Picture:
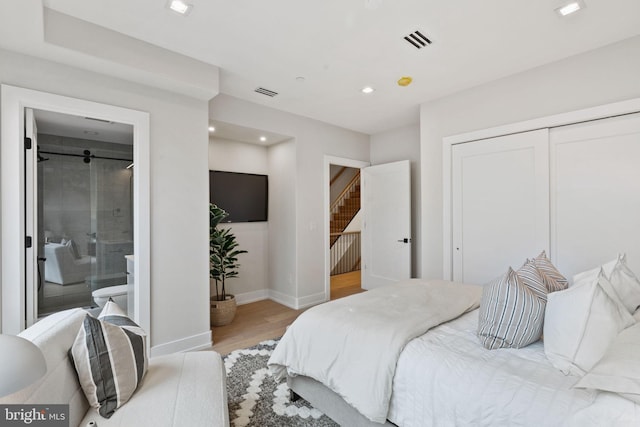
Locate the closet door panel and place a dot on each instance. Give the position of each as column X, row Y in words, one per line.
column 595, row 203
column 500, row 205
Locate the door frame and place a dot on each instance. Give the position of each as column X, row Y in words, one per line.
column 572, row 117
column 328, row 161
column 14, row 100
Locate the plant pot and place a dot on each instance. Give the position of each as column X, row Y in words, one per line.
column 223, row 312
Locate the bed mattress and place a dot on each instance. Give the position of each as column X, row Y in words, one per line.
column 446, row 378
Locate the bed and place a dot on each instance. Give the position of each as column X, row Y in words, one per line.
column 445, row 377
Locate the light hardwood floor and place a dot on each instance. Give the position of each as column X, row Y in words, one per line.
column 263, row 320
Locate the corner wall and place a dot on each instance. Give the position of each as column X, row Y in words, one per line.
column 303, row 233
column 598, row 77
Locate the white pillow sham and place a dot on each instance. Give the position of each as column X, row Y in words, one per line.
column 580, row 324
column 623, row 280
column 619, row 369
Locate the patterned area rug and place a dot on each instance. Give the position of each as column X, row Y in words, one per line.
column 255, row 399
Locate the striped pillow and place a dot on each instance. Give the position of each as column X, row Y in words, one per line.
column 511, row 314
column 110, row 357
column 552, row 277
column 531, row 277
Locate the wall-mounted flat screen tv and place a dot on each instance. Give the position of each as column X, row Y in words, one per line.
column 244, row 196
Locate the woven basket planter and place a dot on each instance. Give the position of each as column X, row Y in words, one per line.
column 223, row 312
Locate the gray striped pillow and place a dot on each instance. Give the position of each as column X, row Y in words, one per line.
column 110, row 357
column 511, row 314
column 553, row 279
column 531, row 277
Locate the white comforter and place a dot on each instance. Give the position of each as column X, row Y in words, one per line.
column 445, row 378
column 351, row 345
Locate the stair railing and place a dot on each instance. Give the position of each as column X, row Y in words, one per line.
column 348, row 189
column 345, row 254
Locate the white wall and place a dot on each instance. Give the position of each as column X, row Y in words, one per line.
column 404, row 144
column 179, row 190
column 312, row 141
column 252, row 281
column 602, row 76
column 282, row 218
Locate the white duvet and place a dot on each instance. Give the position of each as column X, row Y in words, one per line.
column 446, row 378
column 351, row 345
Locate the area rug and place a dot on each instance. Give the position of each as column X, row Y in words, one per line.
column 256, row 399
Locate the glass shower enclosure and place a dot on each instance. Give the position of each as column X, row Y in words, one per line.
column 85, row 219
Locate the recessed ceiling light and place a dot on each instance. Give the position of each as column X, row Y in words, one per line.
column 263, row 139
column 570, row 8
column 212, row 129
column 180, row 7
column 367, row 89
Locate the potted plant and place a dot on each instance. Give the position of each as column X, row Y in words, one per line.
column 223, row 264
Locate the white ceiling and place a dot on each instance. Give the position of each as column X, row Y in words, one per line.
column 339, row 46
column 233, row 132
column 71, row 126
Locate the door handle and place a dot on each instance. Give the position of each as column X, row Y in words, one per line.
column 405, row 240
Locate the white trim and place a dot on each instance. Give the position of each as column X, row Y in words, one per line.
column 310, row 300
column 13, row 102
column 247, row 297
column 572, row 117
column 328, row 161
column 283, row 299
column 194, row 342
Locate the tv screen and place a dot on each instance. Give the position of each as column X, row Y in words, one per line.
column 243, row 195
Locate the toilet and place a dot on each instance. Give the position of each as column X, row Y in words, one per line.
column 117, row 293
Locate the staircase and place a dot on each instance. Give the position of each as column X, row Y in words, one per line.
column 345, row 208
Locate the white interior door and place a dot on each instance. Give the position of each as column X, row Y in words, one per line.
column 500, row 204
column 595, row 193
column 386, row 225
column 31, row 220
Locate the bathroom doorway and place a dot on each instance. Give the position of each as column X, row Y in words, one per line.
column 18, row 164
column 84, row 205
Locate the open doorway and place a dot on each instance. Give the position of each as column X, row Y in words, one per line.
column 84, row 205
column 343, row 227
column 20, row 219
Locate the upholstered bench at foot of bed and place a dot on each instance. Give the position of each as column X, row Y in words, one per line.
column 184, row 389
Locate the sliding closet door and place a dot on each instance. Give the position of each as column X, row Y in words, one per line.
column 500, row 197
column 595, row 197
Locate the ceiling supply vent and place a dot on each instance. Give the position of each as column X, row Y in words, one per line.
column 99, row 120
column 417, row 39
column 266, row 92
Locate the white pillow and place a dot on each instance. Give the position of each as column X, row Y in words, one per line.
column 591, row 275
column 619, row 369
column 626, row 284
column 580, row 324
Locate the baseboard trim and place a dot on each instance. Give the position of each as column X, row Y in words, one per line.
column 192, row 343
column 296, row 303
column 283, row 299
column 310, row 300
column 254, row 296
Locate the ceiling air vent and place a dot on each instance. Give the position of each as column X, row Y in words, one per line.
column 266, row 92
column 417, row 39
